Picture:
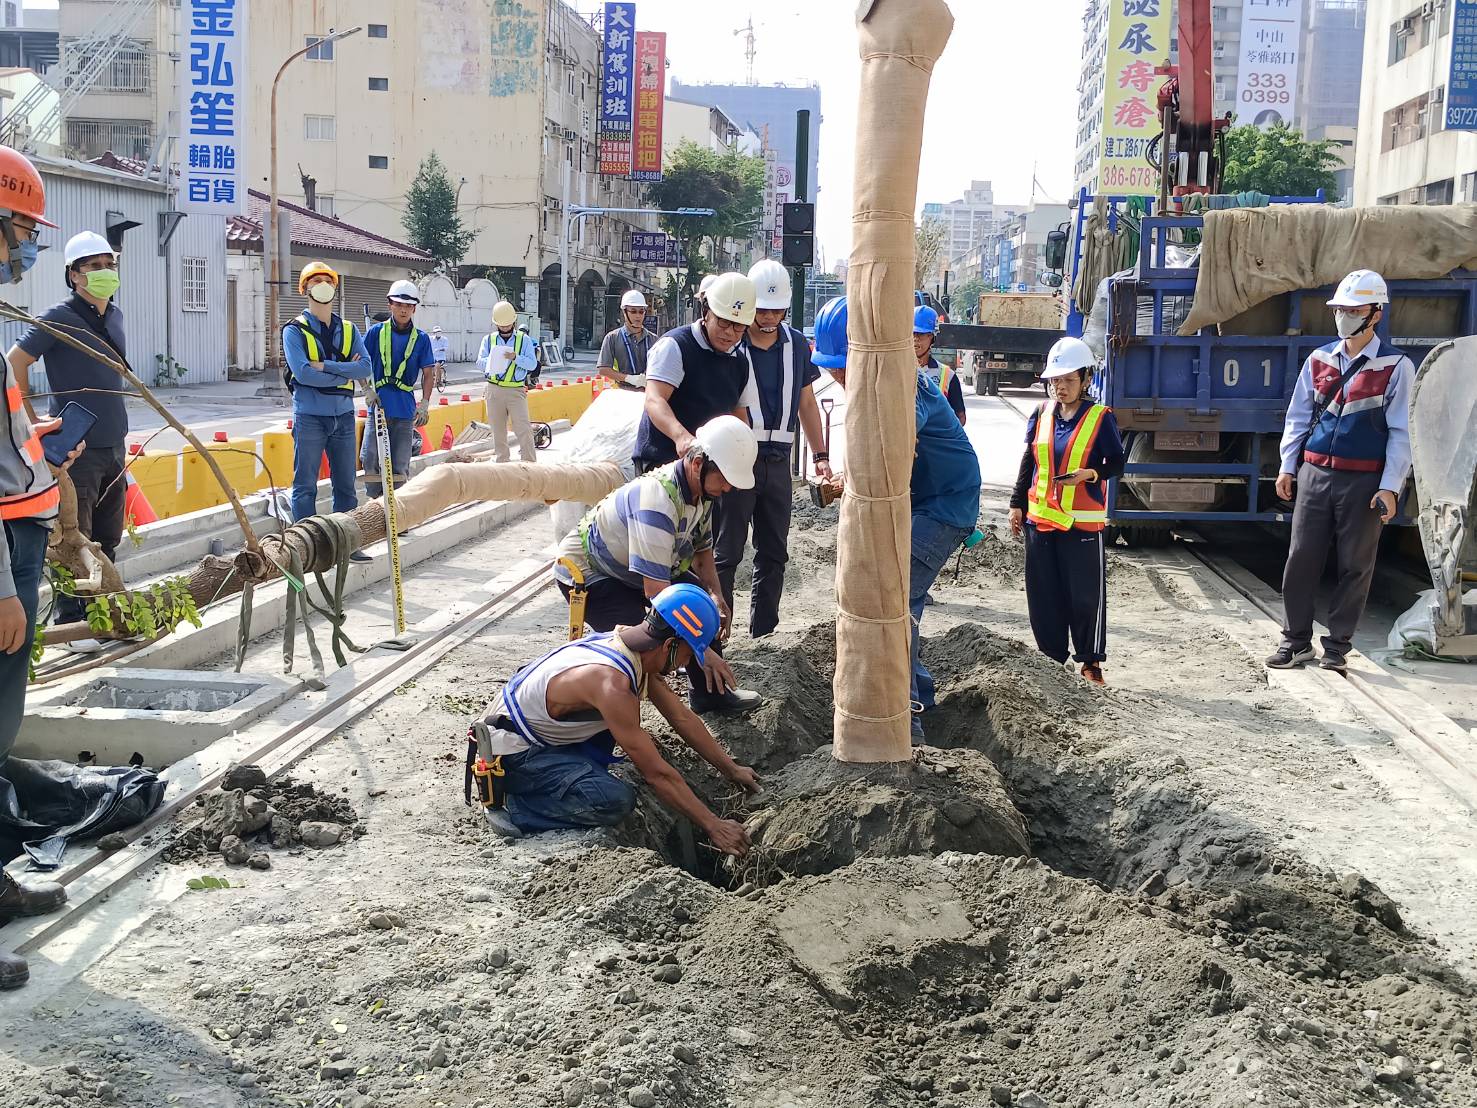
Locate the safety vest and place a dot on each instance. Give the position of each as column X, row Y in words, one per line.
column 397, row 379
column 789, row 413
column 41, row 495
column 946, row 375
column 1055, row 508
column 508, row 379
column 1350, row 429
column 304, row 323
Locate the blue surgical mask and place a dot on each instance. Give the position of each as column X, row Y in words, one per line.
column 29, row 251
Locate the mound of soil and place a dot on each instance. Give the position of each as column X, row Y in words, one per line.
column 281, row 814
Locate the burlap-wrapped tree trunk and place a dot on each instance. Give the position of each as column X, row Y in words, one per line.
column 900, row 42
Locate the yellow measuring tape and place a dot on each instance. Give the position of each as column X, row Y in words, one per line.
column 392, row 536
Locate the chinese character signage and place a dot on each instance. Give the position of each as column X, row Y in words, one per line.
column 651, row 87
column 1267, row 78
column 1138, row 43
column 1461, row 82
column 618, row 89
column 213, row 108
column 649, row 248
column 784, row 188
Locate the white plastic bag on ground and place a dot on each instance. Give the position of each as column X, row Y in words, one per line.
column 1416, row 626
column 606, row 432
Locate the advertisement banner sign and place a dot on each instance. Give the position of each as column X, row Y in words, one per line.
column 1138, row 43
column 649, row 247
column 617, row 89
column 784, row 189
column 651, row 86
column 1461, row 83
column 213, row 108
column 1267, row 78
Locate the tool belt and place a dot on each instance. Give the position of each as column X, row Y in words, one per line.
column 484, row 769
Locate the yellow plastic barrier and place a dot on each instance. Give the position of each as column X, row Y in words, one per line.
column 198, row 487
column 237, row 459
column 276, row 459
column 157, row 474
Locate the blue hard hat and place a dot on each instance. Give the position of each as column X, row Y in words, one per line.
column 691, row 613
column 830, row 334
column 925, row 320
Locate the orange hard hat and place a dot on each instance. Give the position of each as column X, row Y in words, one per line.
column 315, row 269
column 21, row 190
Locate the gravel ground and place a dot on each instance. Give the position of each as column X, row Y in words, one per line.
column 1199, row 920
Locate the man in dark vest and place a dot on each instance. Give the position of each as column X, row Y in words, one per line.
column 779, row 358
column 1347, row 439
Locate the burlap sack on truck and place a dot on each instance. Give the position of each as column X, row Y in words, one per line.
column 900, row 40
column 1253, row 254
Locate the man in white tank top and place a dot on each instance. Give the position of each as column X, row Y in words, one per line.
column 541, row 753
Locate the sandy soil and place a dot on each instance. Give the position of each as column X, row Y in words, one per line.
column 1189, row 929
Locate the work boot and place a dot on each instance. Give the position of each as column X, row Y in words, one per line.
column 734, row 702
column 13, row 970
column 501, row 824
column 33, row 900
column 1288, row 658
column 1093, row 672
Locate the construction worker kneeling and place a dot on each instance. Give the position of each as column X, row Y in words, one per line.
column 541, row 755
column 1060, row 504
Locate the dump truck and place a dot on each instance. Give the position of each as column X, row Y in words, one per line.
column 1015, row 364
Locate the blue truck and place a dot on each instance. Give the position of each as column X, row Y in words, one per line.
column 1202, row 415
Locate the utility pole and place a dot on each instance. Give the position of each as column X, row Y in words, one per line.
column 802, row 192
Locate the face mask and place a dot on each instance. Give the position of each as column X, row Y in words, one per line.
column 102, row 283
column 1348, row 324
column 323, row 292
column 10, row 274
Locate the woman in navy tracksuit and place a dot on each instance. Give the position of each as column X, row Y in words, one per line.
column 1060, row 504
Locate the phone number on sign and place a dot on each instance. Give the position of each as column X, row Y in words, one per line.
column 1129, row 176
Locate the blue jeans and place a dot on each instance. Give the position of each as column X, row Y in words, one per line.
column 933, row 544
column 27, row 540
column 553, row 788
column 402, row 432
column 312, row 437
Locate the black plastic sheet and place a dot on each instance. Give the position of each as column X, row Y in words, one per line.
column 46, row 804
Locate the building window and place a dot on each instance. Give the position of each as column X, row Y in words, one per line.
column 319, row 128
column 379, row 84
column 1469, row 186
column 1413, row 120
column 322, row 49
column 379, row 161
column 379, row 30
column 91, row 138
column 130, row 69
column 1438, row 192
column 194, row 284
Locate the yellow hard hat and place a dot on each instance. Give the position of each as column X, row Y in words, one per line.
column 315, row 269
column 731, row 296
column 504, row 314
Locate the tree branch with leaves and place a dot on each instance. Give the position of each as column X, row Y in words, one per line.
column 730, row 183
column 929, row 245
column 1278, row 161
column 431, row 220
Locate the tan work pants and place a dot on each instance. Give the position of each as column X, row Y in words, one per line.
column 508, row 408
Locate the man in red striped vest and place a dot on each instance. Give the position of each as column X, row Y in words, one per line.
column 1347, row 440
column 28, row 505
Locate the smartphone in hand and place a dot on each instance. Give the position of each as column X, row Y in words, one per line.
column 76, row 422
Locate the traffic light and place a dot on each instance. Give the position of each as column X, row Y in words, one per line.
column 798, row 224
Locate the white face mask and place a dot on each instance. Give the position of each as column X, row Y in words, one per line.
column 323, row 292
column 1347, row 323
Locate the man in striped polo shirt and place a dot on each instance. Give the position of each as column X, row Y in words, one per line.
column 657, row 531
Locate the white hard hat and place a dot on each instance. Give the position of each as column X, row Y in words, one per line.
column 706, row 284
column 729, row 444
column 436, row 330
column 405, row 292
column 504, row 314
column 1067, row 356
column 633, row 299
column 1363, row 286
column 731, row 296
column 772, row 283
column 87, row 244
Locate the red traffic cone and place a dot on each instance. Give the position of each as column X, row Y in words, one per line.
column 136, row 504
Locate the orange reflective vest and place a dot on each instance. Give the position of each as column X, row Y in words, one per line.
column 39, row 495
column 1061, row 508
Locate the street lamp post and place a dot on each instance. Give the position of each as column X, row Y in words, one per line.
column 573, row 212
column 274, row 275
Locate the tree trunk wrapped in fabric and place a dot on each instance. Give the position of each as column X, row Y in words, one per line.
column 900, row 40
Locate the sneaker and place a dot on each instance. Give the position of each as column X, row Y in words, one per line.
column 1093, row 672
column 86, row 646
column 500, row 823
column 733, row 702
column 1288, row 658
column 1334, row 661
column 360, row 556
